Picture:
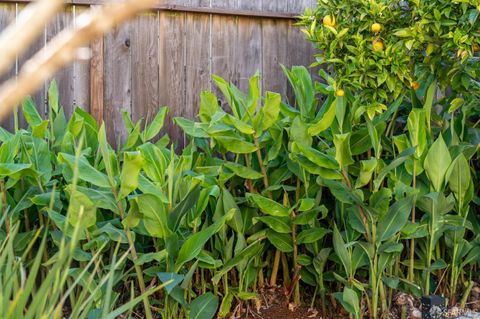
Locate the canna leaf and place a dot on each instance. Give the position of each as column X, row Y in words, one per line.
column 279, row 224
column 343, row 154
column 268, row 206
column 395, row 219
column 282, row 242
column 236, row 145
column 317, row 157
column 204, row 307
column 243, row 171
column 245, row 254
column 436, row 163
column 325, row 122
column 132, row 164
column 154, row 215
column 86, row 172
column 208, row 106
column 156, row 125
column 341, row 250
column 194, row 244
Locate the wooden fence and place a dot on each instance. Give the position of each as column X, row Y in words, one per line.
column 167, row 56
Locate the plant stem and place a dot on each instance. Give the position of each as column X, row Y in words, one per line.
column 411, row 273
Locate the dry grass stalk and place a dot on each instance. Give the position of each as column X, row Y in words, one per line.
column 65, row 48
column 30, row 23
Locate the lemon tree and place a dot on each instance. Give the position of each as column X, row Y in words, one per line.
column 379, row 49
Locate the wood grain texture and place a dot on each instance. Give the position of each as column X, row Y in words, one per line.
column 81, row 73
column 274, row 50
column 7, row 16
column 197, row 61
column 145, row 76
column 172, row 70
column 300, row 51
column 39, row 97
column 117, row 81
column 96, row 80
column 64, row 78
column 249, row 47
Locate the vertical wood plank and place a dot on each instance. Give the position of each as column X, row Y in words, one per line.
column 117, row 81
column 96, row 80
column 7, row 16
column 303, row 52
column 172, row 70
column 249, row 48
column 39, row 96
column 145, row 76
column 274, row 49
column 197, row 68
column 81, row 73
column 64, row 77
column 224, row 45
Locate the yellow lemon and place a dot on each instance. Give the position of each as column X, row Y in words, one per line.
column 415, row 85
column 377, row 46
column 340, row 93
column 430, row 49
column 376, row 27
column 462, row 53
column 329, row 20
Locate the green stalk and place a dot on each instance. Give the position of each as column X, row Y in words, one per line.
column 133, row 251
column 411, row 273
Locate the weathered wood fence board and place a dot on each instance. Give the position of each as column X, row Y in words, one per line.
column 168, row 56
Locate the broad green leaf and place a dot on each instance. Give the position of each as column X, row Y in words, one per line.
column 416, row 129
column 169, row 277
column 317, row 157
column 86, row 172
column 243, row 171
column 437, row 162
column 270, row 109
column 154, row 215
column 282, row 242
column 395, row 219
column 367, row 167
column 203, row 307
column 30, row 112
column 194, row 244
column 208, row 106
column 191, row 128
column 459, row 178
column 156, row 125
column 132, row 165
column 238, row 124
column 80, row 203
column 341, row 250
column 343, row 154
column 279, row 224
column 396, row 162
column 53, row 96
column 246, row 254
column 181, row 209
column 155, row 162
column 325, row 122
column 350, row 298
column 236, row 145
column 268, row 206
column 312, row 235
column 429, row 103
